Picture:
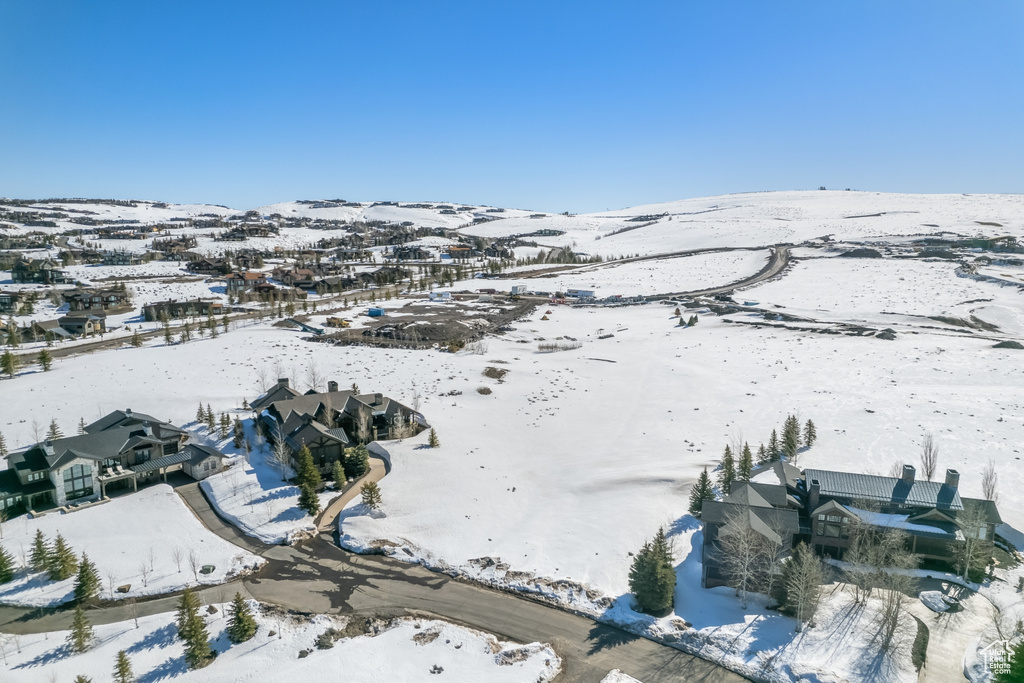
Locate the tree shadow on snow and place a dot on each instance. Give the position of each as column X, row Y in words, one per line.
column 172, row 666
column 62, row 651
column 684, row 523
column 164, row 635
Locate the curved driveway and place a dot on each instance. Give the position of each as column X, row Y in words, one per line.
column 318, row 576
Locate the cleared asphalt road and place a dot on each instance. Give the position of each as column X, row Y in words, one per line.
column 318, row 576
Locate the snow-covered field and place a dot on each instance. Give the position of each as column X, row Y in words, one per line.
column 129, row 536
column 577, row 457
column 884, row 291
column 641, row 278
column 406, row 650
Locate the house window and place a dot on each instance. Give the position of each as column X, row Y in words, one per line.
column 171, row 448
column 142, row 455
column 833, row 526
column 110, row 463
column 78, row 481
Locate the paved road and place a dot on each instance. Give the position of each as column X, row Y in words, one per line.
column 950, row 633
column 318, row 576
column 325, row 522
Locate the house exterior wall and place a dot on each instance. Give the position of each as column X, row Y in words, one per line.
column 205, row 468
column 57, row 477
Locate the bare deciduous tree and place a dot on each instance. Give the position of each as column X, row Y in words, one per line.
column 281, row 452
column 193, row 563
column 363, row 428
column 144, row 572
column 133, row 610
column 895, row 587
column 896, row 470
column 989, row 481
column 929, row 456
column 262, row 380
column 314, row 378
column 803, row 577
column 111, row 580
column 177, row 555
column 974, row 550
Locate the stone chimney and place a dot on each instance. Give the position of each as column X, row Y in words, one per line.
column 952, row 479
column 815, row 491
column 282, row 381
column 378, row 399
column 332, row 386
column 908, row 473
column 127, row 412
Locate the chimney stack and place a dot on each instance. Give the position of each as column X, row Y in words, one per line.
column 952, row 478
column 908, row 473
column 378, row 399
column 282, row 381
column 815, row 491
column 332, row 386
column 127, row 412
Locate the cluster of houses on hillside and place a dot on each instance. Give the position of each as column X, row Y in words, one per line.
column 125, row 449
column 820, row 507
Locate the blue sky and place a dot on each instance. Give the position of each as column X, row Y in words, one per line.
column 556, row 106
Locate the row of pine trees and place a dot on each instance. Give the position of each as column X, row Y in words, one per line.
column 191, row 628
column 732, row 469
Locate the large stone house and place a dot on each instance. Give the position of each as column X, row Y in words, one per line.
column 329, row 422
column 244, row 281
column 821, row 507
column 121, row 449
column 112, row 299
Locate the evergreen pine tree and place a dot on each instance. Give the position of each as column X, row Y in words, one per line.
column 728, row 473
column 746, row 464
column 45, row 360
column 136, row 339
column 9, row 364
column 225, row 425
column 168, row 338
column 87, row 583
column 307, row 472
column 810, row 434
column 700, row 492
column 81, row 426
column 338, row 473
column 210, row 423
column 192, row 629
column 6, row 566
column 81, row 634
column 762, row 455
column 371, row 495
column 773, row 447
column 123, row 669
column 433, row 441
column 241, row 623
column 82, row 678
column 188, row 606
column 54, row 432
column 357, row 462
column 12, row 334
column 238, row 432
column 3, row 446
column 61, row 562
column 652, row 578
column 39, row 558
column 309, row 501
column 201, row 414
column 791, row 437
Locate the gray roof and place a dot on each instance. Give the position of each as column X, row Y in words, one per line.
column 767, row 521
column 854, row 486
column 198, row 453
column 276, row 393
column 789, row 475
column 166, row 461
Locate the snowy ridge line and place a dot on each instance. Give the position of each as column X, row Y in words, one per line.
column 682, row 637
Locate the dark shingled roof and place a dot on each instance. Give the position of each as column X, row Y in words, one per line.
column 854, row 486
column 198, row 453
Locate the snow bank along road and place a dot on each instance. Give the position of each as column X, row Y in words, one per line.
column 319, row 577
